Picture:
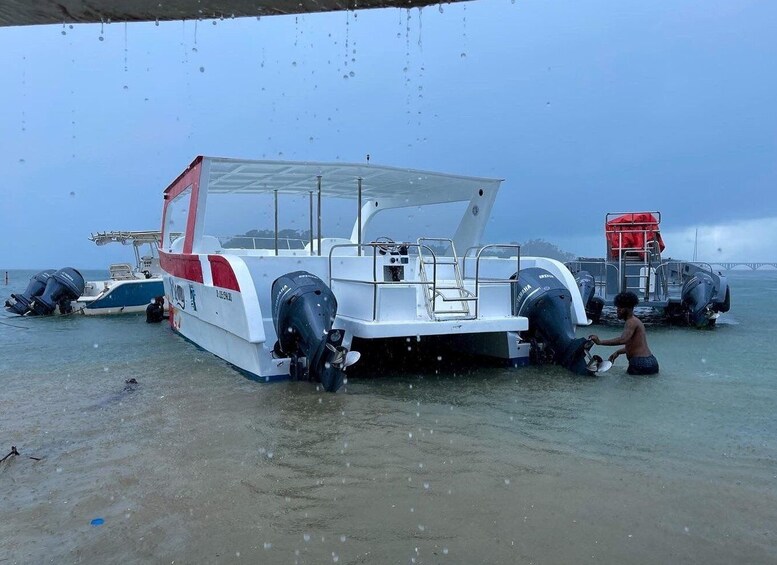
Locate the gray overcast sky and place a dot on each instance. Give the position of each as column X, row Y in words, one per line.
column 583, row 107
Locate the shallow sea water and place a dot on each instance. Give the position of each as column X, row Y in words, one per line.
column 455, row 464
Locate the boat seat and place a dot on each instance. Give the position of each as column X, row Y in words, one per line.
column 209, row 244
column 121, row 272
column 176, row 246
column 327, row 243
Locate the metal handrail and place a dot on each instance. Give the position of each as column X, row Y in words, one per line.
column 610, row 215
column 375, row 282
column 500, row 281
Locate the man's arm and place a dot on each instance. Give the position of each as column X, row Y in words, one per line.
column 614, row 356
column 625, row 337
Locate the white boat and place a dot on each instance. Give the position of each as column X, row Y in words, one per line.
column 277, row 306
column 129, row 288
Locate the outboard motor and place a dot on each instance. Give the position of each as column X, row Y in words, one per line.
column 724, row 306
column 697, row 297
column 546, row 302
column 585, row 282
column 65, row 285
column 593, row 304
column 20, row 303
column 303, row 310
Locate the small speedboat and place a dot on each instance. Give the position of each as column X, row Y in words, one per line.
column 129, row 288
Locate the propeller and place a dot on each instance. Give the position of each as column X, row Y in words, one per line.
column 342, row 358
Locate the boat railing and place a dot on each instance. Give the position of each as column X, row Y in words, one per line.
column 670, row 272
column 255, row 242
column 600, row 277
column 479, row 253
column 432, row 259
column 375, row 283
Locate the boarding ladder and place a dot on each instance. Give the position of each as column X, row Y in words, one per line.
column 446, row 297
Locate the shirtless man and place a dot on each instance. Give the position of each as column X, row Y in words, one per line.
column 633, row 338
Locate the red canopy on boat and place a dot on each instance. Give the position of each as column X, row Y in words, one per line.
column 632, row 232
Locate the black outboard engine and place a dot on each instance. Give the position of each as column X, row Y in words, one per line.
column 697, row 298
column 546, row 302
column 303, row 310
column 65, row 285
column 724, row 306
column 20, row 303
column 593, row 304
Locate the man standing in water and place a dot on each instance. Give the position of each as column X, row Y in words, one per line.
column 155, row 312
column 633, row 338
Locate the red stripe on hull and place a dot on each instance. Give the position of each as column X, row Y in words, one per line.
column 182, row 266
column 223, row 275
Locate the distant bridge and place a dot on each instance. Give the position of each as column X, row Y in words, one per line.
column 752, row 265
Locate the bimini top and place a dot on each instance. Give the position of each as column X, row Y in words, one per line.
column 338, row 180
column 126, row 237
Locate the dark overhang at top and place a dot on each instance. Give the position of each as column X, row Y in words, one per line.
column 38, row 12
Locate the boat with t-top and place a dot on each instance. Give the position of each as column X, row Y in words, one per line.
column 129, row 287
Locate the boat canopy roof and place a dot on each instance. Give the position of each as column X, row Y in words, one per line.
column 126, row 237
column 340, row 180
column 25, row 12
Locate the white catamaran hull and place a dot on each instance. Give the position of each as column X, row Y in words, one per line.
column 237, row 300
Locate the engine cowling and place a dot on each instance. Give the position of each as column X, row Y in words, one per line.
column 20, row 303
column 697, row 298
column 303, row 311
column 547, row 303
column 63, row 286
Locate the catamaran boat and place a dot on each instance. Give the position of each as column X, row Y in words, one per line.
column 129, row 288
column 296, row 307
column 684, row 292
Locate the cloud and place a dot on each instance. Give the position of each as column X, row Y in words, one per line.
column 748, row 240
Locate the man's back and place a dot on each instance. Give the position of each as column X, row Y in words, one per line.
column 637, row 345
